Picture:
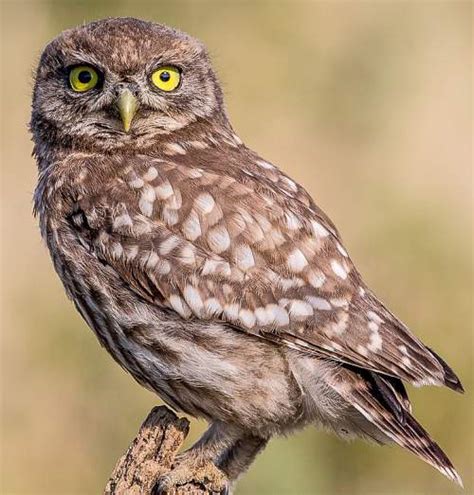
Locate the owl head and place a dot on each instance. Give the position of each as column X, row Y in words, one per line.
column 122, row 82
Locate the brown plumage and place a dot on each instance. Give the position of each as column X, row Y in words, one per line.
column 205, row 271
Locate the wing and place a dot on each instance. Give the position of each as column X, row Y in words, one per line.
column 237, row 240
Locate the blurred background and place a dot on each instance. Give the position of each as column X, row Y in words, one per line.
column 369, row 105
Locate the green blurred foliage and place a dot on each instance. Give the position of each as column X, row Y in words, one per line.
column 369, row 105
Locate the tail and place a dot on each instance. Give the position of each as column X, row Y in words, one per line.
column 417, row 440
column 385, row 404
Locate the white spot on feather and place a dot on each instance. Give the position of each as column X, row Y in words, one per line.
column 187, row 255
column 243, row 257
column 290, row 283
column 152, row 261
column 191, row 226
column 300, row 309
column 148, row 194
column 179, row 306
column 374, row 317
column 375, row 342
column 363, row 351
column 117, row 249
column 175, row 201
column 163, row 267
column 164, row 190
column 174, row 149
column 316, row 278
column 147, row 198
column 205, row 203
column 263, row 317
column 264, row 164
column 292, row 221
column 277, row 315
column 168, row 244
column 237, row 139
column 193, row 173
column 296, row 261
column 373, row 327
column 232, row 311
column 199, row 145
column 131, row 252
column 290, row 183
column 137, row 183
column 123, row 220
column 341, row 249
column 319, row 303
column 193, row 298
column 218, row 239
column 212, row 306
column 150, row 174
column 340, row 302
column 247, row 317
column 170, row 216
column 340, row 326
column 318, row 229
column 338, row 269
column 216, row 266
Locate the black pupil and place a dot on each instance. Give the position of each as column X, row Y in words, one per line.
column 84, row 76
column 165, row 76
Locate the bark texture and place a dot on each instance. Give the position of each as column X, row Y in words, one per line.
column 151, row 455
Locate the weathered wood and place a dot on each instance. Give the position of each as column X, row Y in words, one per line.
column 151, row 455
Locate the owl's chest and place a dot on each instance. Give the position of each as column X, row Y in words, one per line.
column 119, row 318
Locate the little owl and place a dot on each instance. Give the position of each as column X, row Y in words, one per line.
column 205, row 271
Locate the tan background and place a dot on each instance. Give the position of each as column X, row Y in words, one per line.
column 369, row 105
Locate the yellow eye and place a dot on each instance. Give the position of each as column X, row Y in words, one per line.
column 83, row 78
column 166, row 78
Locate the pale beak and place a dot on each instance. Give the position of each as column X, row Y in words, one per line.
column 127, row 105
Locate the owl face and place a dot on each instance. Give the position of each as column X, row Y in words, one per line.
column 110, row 84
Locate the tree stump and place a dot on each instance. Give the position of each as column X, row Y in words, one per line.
column 151, row 455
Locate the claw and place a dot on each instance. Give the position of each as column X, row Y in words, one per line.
column 193, row 471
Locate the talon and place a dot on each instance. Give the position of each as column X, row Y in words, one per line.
column 193, row 471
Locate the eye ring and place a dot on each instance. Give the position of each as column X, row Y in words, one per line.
column 83, row 78
column 166, row 78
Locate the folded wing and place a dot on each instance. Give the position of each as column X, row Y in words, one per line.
column 249, row 247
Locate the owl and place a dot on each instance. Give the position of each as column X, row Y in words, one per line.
column 205, row 271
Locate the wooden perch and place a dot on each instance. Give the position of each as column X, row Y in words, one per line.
column 151, row 455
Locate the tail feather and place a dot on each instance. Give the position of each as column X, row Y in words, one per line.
column 421, row 444
column 393, row 393
column 371, row 397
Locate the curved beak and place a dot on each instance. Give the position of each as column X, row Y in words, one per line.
column 127, row 105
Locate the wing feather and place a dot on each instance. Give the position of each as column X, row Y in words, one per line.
column 247, row 245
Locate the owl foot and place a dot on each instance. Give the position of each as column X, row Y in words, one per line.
column 191, row 474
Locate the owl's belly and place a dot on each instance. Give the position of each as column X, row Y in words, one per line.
column 203, row 368
column 206, row 370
